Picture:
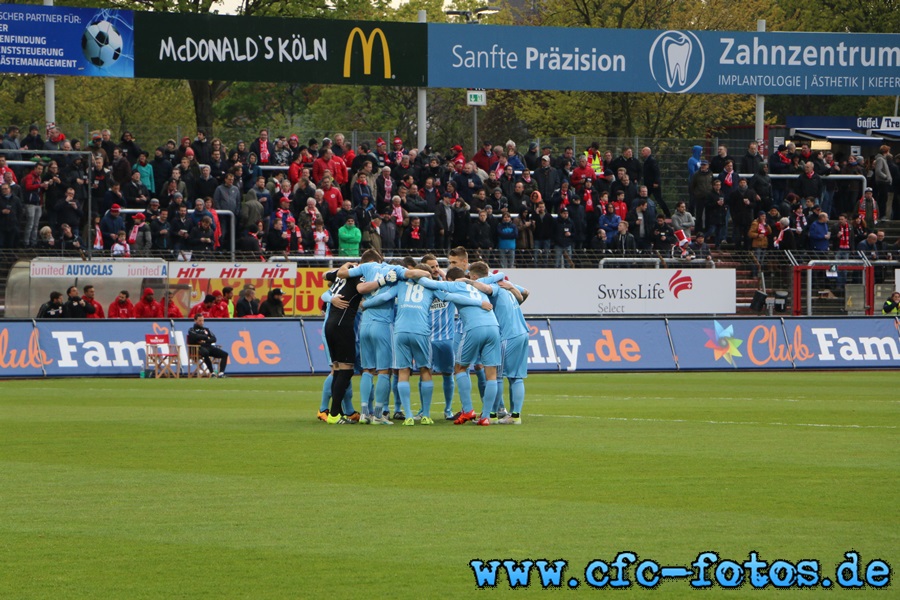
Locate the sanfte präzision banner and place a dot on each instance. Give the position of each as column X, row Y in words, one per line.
column 117, row 43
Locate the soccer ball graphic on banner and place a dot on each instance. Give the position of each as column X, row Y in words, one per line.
column 101, row 43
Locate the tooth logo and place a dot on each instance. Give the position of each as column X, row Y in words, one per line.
column 677, row 61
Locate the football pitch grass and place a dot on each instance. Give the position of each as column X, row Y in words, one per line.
column 115, row 488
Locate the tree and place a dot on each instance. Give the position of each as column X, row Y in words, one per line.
column 658, row 115
column 875, row 16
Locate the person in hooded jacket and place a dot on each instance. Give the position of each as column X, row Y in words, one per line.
column 694, row 161
column 272, row 307
column 147, row 307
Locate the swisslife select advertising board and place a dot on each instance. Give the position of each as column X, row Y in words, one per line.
column 644, row 60
column 619, row 292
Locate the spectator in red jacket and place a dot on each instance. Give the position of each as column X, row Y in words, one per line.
column 327, row 162
column 147, row 307
column 219, row 308
column 88, row 297
column 484, row 158
column 204, row 308
column 172, row 312
column 332, row 196
column 582, row 173
column 121, row 307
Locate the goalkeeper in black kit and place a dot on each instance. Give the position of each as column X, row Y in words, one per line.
column 341, row 338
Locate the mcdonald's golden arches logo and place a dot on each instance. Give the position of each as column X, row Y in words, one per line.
column 367, row 46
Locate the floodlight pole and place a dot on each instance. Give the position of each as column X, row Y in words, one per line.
column 49, row 91
column 422, row 127
column 760, row 99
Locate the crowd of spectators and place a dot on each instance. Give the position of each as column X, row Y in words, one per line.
column 327, row 197
column 809, row 210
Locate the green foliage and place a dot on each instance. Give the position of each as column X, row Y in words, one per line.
column 255, row 105
column 877, row 16
column 873, row 16
column 147, row 105
column 153, row 109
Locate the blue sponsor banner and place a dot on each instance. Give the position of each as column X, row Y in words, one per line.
column 599, row 345
column 20, row 352
column 731, row 344
column 643, row 60
column 93, row 348
column 258, row 346
column 60, row 40
column 542, row 351
column 845, row 343
column 286, row 347
column 116, row 348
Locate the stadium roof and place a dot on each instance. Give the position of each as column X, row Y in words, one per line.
column 841, row 136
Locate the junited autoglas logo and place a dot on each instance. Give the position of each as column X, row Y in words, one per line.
column 677, row 61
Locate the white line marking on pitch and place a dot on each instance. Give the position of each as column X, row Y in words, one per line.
column 824, row 425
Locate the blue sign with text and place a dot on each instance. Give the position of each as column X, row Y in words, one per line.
column 609, row 344
column 842, row 344
column 21, row 354
column 59, row 40
column 731, row 344
column 642, row 60
column 117, row 348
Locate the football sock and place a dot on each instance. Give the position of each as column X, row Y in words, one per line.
column 365, row 391
column 517, row 389
column 420, row 395
column 464, row 385
column 490, row 395
column 449, row 388
column 347, row 402
column 403, row 388
column 479, row 375
column 382, row 394
column 339, row 385
column 499, row 402
column 326, row 393
column 427, row 389
column 397, row 400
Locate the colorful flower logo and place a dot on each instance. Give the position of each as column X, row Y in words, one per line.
column 723, row 343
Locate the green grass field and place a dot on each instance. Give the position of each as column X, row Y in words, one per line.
column 232, row 488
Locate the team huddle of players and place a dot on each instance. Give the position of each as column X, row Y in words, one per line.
column 417, row 317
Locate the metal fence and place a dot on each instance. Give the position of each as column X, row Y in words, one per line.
column 149, row 138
